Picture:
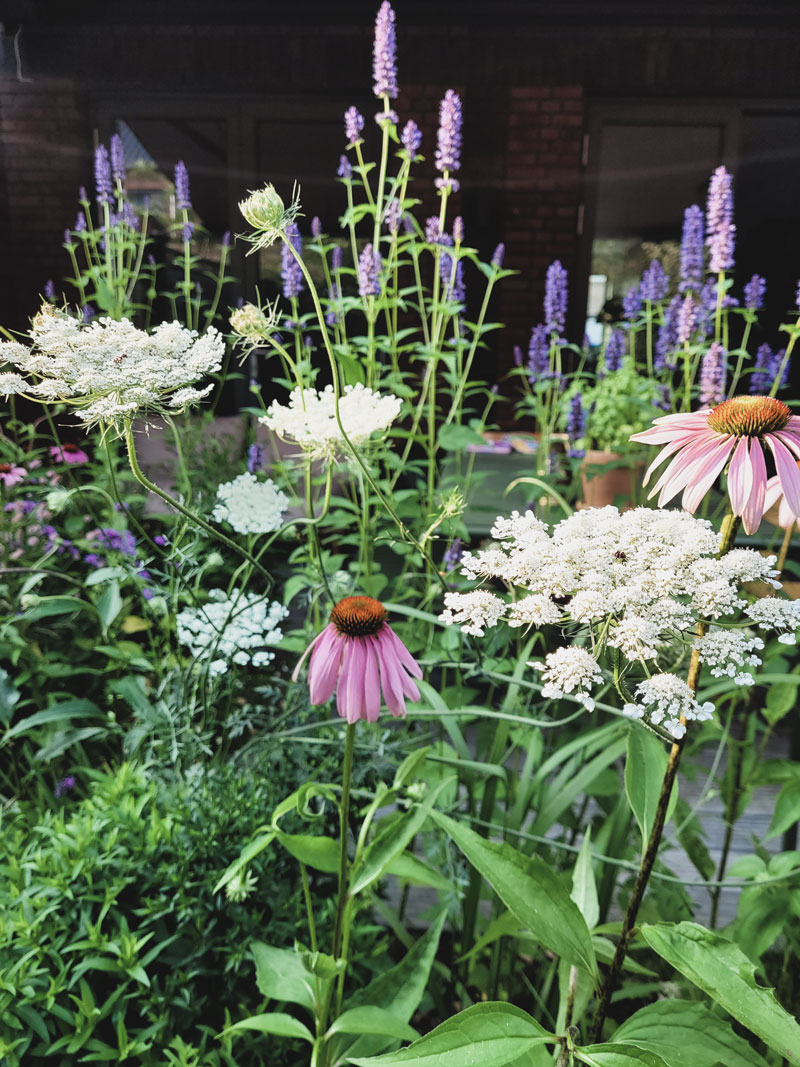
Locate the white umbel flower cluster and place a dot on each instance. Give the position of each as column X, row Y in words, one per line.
column 570, row 671
column 666, row 699
column 236, row 629
column 635, row 583
column 769, row 613
column 109, row 370
column 727, row 653
column 310, row 418
column 250, row 505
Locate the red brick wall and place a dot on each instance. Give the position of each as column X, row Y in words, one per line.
column 543, row 184
column 45, row 148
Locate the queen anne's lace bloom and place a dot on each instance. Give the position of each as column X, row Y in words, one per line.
column 474, row 612
column 108, row 369
column 570, row 671
column 666, row 699
column 729, row 652
column 769, row 613
column 250, row 505
column 235, row 629
column 310, row 418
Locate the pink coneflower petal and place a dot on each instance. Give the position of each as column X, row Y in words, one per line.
column 740, row 476
column 707, row 472
column 787, row 472
column 392, row 686
column 324, row 669
column 791, row 440
column 753, row 511
column 401, row 652
column 665, row 453
column 350, row 688
column 371, row 682
column 689, row 464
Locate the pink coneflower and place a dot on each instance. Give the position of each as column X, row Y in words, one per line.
column 10, row 475
column 347, row 657
column 69, row 453
column 776, row 495
column 702, row 443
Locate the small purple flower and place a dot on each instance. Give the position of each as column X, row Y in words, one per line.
column 555, row 298
column 66, row 785
column 517, row 356
column 384, row 55
column 369, row 269
column 765, row 371
column 448, row 142
column 94, row 560
column 336, row 258
column 255, row 457
column 183, row 201
column 87, row 313
column 654, row 283
column 538, row 355
column 316, row 227
column 80, row 223
column 713, row 374
column 576, row 425
column 411, row 138
column 392, row 214
column 390, row 117
column 102, row 175
column 663, row 398
column 160, row 540
column 353, row 125
column 615, row 350
column 433, row 234
column 456, row 291
column 117, row 159
column 345, row 169
column 82, row 195
column 50, row 291
column 632, row 303
column 692, row 250
column 291, row 273
column 687, row 320
column 458, row 229
column 129, row 216
column 453, row 554
column 667, row 338
column 187, row 232
column 226, row 239
column 754, row 292
column 498, row 256
column 719, row 218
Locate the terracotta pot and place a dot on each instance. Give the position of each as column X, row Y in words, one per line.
column 618, row 485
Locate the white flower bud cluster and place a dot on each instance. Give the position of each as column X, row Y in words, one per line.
column 234, row 629
column 310, row 418
column 666, row 698
column 570, row 671
column 769, row 613
column 111, row 369
column 728, row 652
column 250, row 505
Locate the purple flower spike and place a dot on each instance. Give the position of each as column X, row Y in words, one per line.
column 226, row 239
column 291, row 273
column 713, row 373
column 538, row 355
column 754, row 292
column 687, row 320
column 117, row 159
column 458, row 229
column 411, row 138
column 767, row 366
column 692, row 250
column 345, row 169
column 369, row 269
column 183, row 200
column 498, row 256
column 448, row 143
column 50, row 291
column 453, row 554
column 392, row 215
column 102, row 175
column 385, row 117
column 316, row 227
column 456, row 290
column 353, row 125
column 188, row 232
column 517, row 356
column 615, row 350
column 87, row 313
column 433, row 234
column 384, row 62
column 80, row 223
column 667, row 338
column 632, row 303
column 719, row 217
column 654, row 283
column 555, row 298
column 66, row 785
column 576, row 425
column 336, row 258
column 255, row 458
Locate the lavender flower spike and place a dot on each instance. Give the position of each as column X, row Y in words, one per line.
column 555, row 298
column 713, row 373
column 102, row 175
column 692, row 250
column 754, row 293
column 183, row 201
column 576, row 425
column 453, row 554
column 384, row 55
column 369, row 268
column 353, row 125
column 632, row 303
column 517, row 356
column 719, row 217
column 654, row 283
column 458, row 229
column 448, row 143
column 291, row 273
column 538, row 355
column 345, row 169
column 687, row 320
column 411, row 138
column 498, row 255
column 615, row 350
column 117, row 159
column 316, row 227
column 255, row 457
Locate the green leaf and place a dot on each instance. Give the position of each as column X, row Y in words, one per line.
column 618, row 1056
column 489, row 1034
column 103, row 574
column 787, row 809
column 64, row 739
column 781, row 698
column 63, row 712
column 9, row 695
column 584, row 889
column 453, row 438
column 389, row 842
column 280, row 975
column 276, row 1022
column 249, row 852
column 528, row 888
column 321, row 853
column 48, row 606
column 687, row 1034
column 371, row 1020
column 722, row 970
column 408, row 868
column 644, row 774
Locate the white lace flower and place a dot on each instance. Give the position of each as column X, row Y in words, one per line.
column 667, row 699
column 12, row 384
column 234, row 629
column 636, row 637
column 250, row 505
column 770, row 613
column 474, row 612
column 534, row 610
column 570, row 671
column 747, row 565
column 729, row 652
column 310, row 418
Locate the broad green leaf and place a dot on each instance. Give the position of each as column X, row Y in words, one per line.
column 103, row 574
column 558, row 797
column 408, row 769
column 454, row 438
column 584, row 889
column 722, row 970
column 371, row 1020
column 528, row 888
column 388, row 843
column 277, row 1022
column 249, row 852
column 66, row 711
column 488, row 1034
column 687, row 1034
column 787, row 809
column 618, row 1056
column 408, row 868
column 49, row 606
column 280, row 975
column 321, row 853
column 644, row 775
column 781, row 698
column 64, row 739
